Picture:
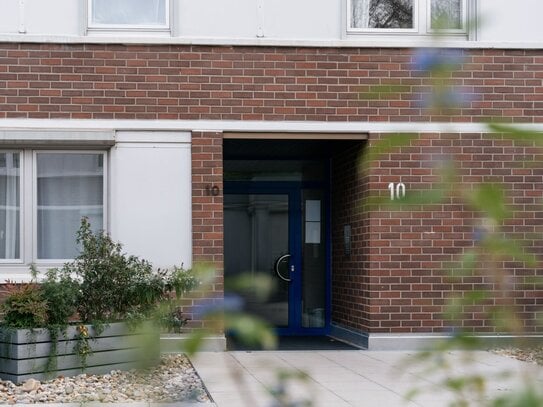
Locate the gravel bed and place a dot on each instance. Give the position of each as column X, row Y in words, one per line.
column 173, row 380
column 531, row 355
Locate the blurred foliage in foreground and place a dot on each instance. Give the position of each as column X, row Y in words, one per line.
column 226, row 315
column 484, row 258
column 493, row 248
column 487, row 258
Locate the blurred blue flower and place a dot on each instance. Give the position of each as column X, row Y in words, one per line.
column 479, row 234
column 444, row 98
column 449, row 98
column 432, row 59
column 230, row 303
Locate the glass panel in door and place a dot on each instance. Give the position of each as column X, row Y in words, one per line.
column 256, row 235
column 313, row 259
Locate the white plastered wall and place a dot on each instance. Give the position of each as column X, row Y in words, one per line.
column 510, row 21
column 9, row 16
column 54, row 17
column 215, row 18
column 500, row 23
column 150, row 196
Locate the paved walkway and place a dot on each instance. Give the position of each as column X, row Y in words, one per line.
column 352, row 377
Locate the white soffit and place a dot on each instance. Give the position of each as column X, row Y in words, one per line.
column 296, row 136
column 152, row 137
column 55, row 137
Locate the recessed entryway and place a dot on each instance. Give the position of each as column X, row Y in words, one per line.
column 277, row 223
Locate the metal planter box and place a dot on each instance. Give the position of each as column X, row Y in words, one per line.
column 26, row 353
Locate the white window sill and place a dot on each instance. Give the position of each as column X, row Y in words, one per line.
column 128, row 32
column 351, row 41
column 401, row 37
column 21, row 273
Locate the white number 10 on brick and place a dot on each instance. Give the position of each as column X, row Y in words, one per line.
column 397, row 191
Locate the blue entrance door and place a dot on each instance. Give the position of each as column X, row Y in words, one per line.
column 279, row 230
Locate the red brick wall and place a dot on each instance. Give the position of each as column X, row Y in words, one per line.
column 256, row 83
column 207, row 216
column 350, row 272
column 398, row 274
column 393, row 281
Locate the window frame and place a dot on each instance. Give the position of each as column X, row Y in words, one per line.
column 28, row 209
column 354, row 30
column 462, row 30
column 35, row 152
column 21, row 259
column 422, row 22
column 91, row 26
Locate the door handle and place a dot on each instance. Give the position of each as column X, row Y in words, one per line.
column 276, row 267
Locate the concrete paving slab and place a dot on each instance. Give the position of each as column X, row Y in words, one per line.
column 350, row 377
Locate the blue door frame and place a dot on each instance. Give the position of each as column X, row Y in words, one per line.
column 294, row 191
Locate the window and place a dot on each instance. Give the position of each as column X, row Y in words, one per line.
column 399, row 16
column 43, row 196
column 383, row 14
column 10, row 206
column 448, row 15
column 68, row 187
column 129, row 14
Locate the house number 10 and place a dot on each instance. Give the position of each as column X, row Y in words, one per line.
column 397, row 191
column 212, row 190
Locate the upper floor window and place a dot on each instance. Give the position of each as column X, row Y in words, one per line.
column 382, row 14
column 129, row 14
column 447, row 15
column 416, row 16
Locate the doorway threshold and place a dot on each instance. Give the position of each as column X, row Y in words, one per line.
column 296, row 343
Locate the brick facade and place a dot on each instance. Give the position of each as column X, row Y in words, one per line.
column 257, row 83
column 397, row 277
column 207, row 215
column 394, row 280
column 350, row 276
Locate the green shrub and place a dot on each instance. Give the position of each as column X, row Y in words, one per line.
column 110, row 283
column 180, row 281
column 171, row 318
column 61, row 293
column 25, row 307
column 114, row 286
column 101, row 285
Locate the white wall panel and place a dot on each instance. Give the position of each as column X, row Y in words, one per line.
column 55, row 17
column 216, row 18
column 151, row 204
column 308, row 19
column 506, row 20
column 230, row 21
column 9, row 16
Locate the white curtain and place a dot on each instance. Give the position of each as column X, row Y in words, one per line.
column 69, row 187
column 360, row 13
column 447, row 14
column 9, row 204
column 129, row 12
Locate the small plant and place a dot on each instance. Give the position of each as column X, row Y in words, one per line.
column 82, row 346
column 170, row 315
column 172, row 318
column 60, row 292
column 25, row 307
column 180, row 281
